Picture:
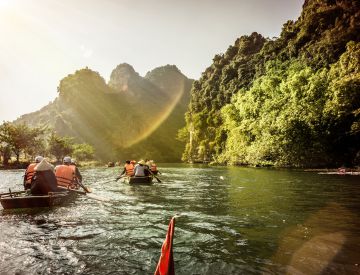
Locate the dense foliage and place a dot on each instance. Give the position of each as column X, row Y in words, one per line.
column 59, row 146
column 290, row 101
column 20, row 140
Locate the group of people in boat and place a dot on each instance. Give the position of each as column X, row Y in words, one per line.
column 41, row 177
column 142, row 168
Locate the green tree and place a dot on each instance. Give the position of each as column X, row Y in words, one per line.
column 5, row 153
column 59, row 147
column 19, row 137
column 83, row 151
column 292, row 100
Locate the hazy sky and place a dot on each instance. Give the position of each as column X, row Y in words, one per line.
column 42, row 41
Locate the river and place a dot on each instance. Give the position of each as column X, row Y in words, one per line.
column 231, row 220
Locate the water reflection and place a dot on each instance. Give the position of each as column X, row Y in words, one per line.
column 232, row 221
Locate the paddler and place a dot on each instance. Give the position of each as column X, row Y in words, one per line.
column 67, row 175
column 44, row 180
column 29, row 172
column 128, row 169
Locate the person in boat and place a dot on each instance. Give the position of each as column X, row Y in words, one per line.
column 342, row 170
column 76, row 169
column 128, row 169
column 141, row 169
column 148, row 167
column 153, row 168
column 30, row 171
column 44, row 180
column 67, row 175
column 148, row 163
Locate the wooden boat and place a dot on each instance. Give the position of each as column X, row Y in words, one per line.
column 340, row 173
column 148, row 180
column 22, row 199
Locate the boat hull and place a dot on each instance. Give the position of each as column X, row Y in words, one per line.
column 22, row 200
column 138, row 180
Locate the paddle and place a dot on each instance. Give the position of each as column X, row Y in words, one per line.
column 91, row 196
column 87, row 190
column 102, row 182
column 151, row 173
column 120, row 177
column 12, row 193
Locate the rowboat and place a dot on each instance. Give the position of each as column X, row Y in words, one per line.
column 340, row 173
column 22, row 199
column 147, row 180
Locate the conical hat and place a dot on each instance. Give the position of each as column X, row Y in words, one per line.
column 44, row 166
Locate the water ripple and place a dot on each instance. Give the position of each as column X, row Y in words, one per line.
column 231, row 221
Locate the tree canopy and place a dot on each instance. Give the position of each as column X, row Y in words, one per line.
column 289, row 101
column 22, row 140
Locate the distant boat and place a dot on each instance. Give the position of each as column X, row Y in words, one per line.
column 22, row 199
column 340, row 173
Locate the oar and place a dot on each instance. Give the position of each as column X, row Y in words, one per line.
column 87, row 190
column 151, row 173
column 12, row 193
column 91, row 196
column 120, row 177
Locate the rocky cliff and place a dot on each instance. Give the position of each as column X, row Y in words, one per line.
column 129, row 117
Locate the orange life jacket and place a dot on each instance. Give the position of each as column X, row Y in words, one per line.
column 65, row 175
column 129, row 169
column 153, row 167
column 29, row 173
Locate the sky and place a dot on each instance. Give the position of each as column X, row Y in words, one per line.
column 43, row 41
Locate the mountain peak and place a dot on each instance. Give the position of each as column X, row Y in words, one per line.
column 163, row 70
column 120, row 76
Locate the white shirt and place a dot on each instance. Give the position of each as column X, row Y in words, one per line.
column 139, row 170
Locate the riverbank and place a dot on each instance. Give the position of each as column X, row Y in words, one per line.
column 96, row 164
column 24, row 165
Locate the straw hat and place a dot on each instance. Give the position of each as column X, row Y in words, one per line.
column 44, row 166
column 142, row 162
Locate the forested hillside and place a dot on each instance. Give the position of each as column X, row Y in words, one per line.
column 129, row 117
column 289, row 101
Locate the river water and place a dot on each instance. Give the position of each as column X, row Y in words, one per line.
column 232, row 220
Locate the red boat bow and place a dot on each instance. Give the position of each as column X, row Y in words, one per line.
column 165, row 265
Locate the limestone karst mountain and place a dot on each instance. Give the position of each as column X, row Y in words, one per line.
column 129, row 117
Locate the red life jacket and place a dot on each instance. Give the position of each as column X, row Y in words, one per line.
column 65, row 175
column 29, row 173
column 129, row 169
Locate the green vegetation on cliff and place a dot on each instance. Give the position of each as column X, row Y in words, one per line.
column 290, row 101
column 129, row 117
